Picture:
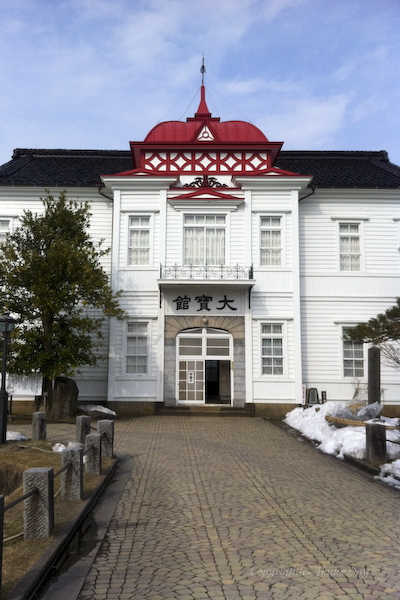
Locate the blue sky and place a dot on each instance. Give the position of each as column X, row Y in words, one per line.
column 96, row 74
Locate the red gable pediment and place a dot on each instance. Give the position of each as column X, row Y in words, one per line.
column 205, row 194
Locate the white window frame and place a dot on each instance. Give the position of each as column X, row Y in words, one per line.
column 205, row 214
column 274, row 335
column 282, row 229
column 150, row 229
column 142, row 334
column 5, row 231
column 359, row 235
column 204, row 334
column 353, row 359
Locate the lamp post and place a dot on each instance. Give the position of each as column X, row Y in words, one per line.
column 6, row 326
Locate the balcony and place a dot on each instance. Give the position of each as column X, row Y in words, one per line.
column 204, row 272
column 194, row 275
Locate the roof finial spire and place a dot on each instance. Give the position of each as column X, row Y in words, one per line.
column 202, row 111
column 202, row 71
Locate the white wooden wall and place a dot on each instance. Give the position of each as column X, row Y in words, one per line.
column 332, row 299
column 329, row 299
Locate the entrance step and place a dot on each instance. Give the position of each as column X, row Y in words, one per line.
column 204, row 411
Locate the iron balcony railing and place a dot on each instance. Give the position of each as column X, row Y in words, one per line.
column 206, row 272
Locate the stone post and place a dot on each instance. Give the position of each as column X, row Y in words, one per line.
column 375, row 443
column 93, row 453
column 105, row 427
column 374, row 375
column 82, row 428
column 72, row 478
column 39, row 508
column 39, row 426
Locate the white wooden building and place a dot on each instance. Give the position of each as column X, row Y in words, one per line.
column 240, row 264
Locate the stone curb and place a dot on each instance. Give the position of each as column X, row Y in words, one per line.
column 36, row 577
column 364, row 465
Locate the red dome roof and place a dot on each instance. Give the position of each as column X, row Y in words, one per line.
column 225, row 132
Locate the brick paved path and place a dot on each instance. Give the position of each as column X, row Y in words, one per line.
column 238, row 509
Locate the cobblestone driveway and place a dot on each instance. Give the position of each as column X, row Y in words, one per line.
column 238, row 509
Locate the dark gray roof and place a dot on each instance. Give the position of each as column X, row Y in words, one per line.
column 343, row 169
column 63, row 168
column 82, row 168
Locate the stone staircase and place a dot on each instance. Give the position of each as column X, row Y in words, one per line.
column 204, row 411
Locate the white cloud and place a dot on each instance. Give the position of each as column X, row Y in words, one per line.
column 307, row 122
column 244, row 86
column 102, row 72
column 369, row 107
column 238, row 86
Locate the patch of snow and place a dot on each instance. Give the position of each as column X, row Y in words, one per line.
column 347, row 441
column 15, row 436
column 71, row 446
column 96, row 408
column 393, row 441
column 390, row 474
column 344, row 441
column 58, row 447
column 75, row 446
column 390, row 421
column 311, row 421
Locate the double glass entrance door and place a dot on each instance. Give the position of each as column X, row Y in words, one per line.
column 204, row 367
